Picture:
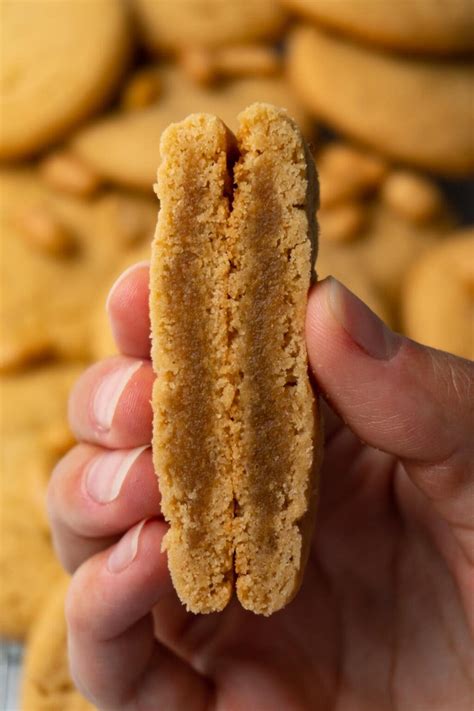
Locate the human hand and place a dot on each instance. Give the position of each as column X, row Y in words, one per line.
column 385, row 616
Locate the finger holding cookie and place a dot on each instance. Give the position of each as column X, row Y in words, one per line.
column 95, row 495
column 375, row 379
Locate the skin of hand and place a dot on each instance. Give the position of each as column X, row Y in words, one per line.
column 385, row 617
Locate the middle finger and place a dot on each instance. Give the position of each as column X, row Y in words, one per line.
column 95, row 495
column 110, row 403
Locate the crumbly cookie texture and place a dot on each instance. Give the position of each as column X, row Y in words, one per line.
column 60, row 62
column 272, row 245
column 46, row 682
column 235, row 426
column 377, row 105
column 189, row 351
column 442, row 317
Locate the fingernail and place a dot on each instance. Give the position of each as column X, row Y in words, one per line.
column 109, row 391
column 123, row 276
column 106, row 473
column 125, row 551
column 360, row 323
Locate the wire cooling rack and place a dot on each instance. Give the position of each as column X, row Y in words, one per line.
column 11, row 656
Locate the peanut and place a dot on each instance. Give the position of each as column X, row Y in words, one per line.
column 207, row 66
column 412, row 196
column 16, row 356
column 143, row 89
column 347, row 173
column 199, row 66
column 58, row 438
column 42, row 230
column 65, row 171
column 342, row 223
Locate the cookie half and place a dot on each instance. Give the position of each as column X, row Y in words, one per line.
column 271, row 248
column 235, row 427
column 193, row 389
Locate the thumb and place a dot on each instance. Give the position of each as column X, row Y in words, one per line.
column 406, row 399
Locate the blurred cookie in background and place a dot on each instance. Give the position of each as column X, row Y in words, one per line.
column 57, row 251
column 124, row 148
column 438, row 296
column 47, row 683
column 349, row 269
column 170, row 25
column 103, row 344
column 417, row 25
column 415, row 110
column 33, row 404
column 60, row 63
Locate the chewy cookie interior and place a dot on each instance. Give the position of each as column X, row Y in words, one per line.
column 234, row 414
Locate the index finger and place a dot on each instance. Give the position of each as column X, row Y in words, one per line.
column 128, row 311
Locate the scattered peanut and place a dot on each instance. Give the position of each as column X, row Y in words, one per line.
column 199, row 66
column 412, row 196
column 143, row 89
column 346, row 173
column 65, row 171
column 207, row 66
column 342, row 223
column 16, row 356
column 39, row 226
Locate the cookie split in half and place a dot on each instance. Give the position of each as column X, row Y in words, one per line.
column 236, row 435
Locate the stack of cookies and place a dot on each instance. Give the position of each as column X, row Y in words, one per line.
column 381, row 91
column 397, row 81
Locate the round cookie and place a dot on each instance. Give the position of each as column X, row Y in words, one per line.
column 47, row 298
column 125, row 148
column 169, row 26
column 438, row 304
column 417, row 25
column 60, row 61
column 31, row 401
column 47, row 683
column 414, row 110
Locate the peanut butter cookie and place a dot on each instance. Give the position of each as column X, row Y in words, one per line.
column 60, row 62
column 438, row 303
column 416, row 110
column 47, row 683
column 417, row 25
column 235, row 426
